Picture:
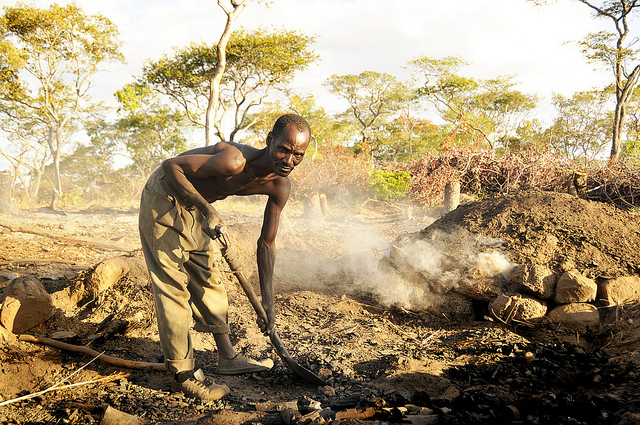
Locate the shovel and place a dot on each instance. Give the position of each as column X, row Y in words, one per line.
column 231, row 256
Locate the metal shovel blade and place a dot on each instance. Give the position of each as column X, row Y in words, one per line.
column 306, row 374
column 230, row 255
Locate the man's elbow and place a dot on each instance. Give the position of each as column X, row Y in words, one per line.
column 167, row 165
column 264, row 244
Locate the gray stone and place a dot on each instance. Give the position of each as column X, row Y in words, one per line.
column 576, row 315
column 535, row 279
column 481, row 288
column 517, row 307
column 620, row 291
column 25, row 304
column 573, row 287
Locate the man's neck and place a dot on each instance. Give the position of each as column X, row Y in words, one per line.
column 260, row 166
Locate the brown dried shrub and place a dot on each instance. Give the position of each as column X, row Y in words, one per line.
column 335, row 172
column 482, row 172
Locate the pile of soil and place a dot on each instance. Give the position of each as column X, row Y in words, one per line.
column 556, row 229
column 474, row 371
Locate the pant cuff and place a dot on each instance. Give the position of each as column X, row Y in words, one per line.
column 183, row 365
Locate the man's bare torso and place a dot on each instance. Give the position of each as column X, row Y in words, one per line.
column 248, row 182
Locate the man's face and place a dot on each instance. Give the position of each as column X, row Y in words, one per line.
column 287, row 150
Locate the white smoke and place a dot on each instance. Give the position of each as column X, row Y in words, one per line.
column 414, row 271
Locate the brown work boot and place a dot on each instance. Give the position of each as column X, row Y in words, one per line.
column 195, row 387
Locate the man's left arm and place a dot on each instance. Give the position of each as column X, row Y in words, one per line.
column 267, row 251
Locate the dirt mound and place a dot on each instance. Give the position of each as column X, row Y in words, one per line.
column 556, row 229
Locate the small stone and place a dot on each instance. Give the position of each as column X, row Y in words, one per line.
column 529, row 357
column 324, row 374
column 328, row 391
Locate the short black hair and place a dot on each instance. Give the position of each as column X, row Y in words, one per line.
column 286, row 119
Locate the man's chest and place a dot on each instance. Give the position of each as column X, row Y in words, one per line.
column 219, row 188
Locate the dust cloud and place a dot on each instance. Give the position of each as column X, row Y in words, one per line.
column 420, row 269
column 413, row 271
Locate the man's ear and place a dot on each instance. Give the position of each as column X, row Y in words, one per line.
column 269, row 139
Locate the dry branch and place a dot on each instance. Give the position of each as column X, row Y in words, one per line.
column 38, row 261
column 129, row 364
column 58, row 385
column 99, row 243
column 483, row 172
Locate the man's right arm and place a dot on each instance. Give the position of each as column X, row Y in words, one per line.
column 226, row 161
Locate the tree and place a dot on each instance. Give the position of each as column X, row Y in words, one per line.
column 478, row 110
column 580, row 130
column 614, row 50
column 407, row 135
column 27, row 155
column 47, row 60
column 221, row 63
column 372, row 98
column 610, row 48
column 631, row 147
column 148, row 131
column 326, row 130
column 256, row 63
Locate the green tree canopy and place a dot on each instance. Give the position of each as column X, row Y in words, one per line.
column 581, row 130
column 258, row 62
column 478, row 111
column 148, row 131
column 47, row 60
column 372, row 97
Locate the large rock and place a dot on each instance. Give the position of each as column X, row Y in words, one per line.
column 534, row 279
column 7, row 338
column 482, row 288
column 25, row 304
column 517, row 307
column 576, row 314
column 620, row 291
column 573, row 287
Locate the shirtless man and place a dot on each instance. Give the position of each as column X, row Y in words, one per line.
column 178, row 228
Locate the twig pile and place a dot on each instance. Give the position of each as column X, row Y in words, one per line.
column 483, row 172
column 335, row 172
column 616, row 183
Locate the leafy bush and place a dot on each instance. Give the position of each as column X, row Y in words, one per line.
column 388, row 185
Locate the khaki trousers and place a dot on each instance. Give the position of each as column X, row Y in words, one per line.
column 186, row 283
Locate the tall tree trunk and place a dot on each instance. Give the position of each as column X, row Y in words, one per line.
column 6, row 183
column 54, row 146
column 618, row 122
column 624, row 91
column 214, row 93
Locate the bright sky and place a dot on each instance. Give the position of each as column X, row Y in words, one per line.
column 497, row 37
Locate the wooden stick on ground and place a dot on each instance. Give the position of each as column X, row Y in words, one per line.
column 21, row 261
column 99, row 243
column 115, row 361
column 58, row 385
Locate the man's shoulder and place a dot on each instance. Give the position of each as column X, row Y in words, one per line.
column 249, row 152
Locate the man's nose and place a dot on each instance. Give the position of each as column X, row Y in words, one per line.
column 288, row 159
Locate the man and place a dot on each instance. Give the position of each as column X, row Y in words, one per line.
column 178, row 229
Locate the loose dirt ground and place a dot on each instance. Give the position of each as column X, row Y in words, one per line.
column 333, row 322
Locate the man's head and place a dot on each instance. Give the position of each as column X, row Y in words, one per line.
column 286, row 119
column 287, row 143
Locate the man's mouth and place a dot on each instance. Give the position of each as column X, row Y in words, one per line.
column 285, row 169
